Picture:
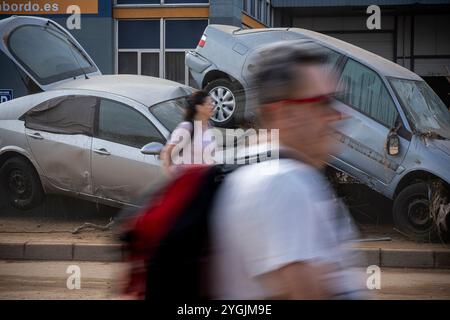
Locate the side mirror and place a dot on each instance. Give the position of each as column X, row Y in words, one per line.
column 393, row 144
column 153, row 148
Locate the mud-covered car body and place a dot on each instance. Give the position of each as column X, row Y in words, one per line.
column 85, row 134
column 401, row 105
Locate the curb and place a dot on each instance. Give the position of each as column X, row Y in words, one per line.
column 399, row 258
column 404, row 258
column 62, row 251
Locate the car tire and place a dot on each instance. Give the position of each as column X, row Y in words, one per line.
column 229, row 101
column 20, row 184
column 411, row 213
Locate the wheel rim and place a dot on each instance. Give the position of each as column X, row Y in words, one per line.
column 224, row 103
column 419, row 213
column 19, row 185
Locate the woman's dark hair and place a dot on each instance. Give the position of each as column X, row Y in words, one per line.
column 195, row 99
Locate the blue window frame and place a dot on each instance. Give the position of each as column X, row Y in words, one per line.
column 142, row 34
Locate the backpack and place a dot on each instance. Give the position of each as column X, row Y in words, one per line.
column 167, row 240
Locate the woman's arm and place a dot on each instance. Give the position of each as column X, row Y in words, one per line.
column 166, row 157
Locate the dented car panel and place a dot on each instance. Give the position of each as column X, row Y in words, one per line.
column 50, row 150
column 83, row 134
column 423, row 156
column 362, row 137
column 394, row 133
column 362, row 151
column 72, row 164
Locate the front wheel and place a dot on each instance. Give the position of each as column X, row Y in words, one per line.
column 20, row 184
column 412, row 215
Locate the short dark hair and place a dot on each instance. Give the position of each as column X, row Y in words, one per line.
column 274, row 77
column 195, row 99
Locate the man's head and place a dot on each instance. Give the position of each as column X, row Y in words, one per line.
column 293, row 93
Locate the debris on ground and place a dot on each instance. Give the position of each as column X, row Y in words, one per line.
column 374, row 239
column 439, row 205
column 88, row 225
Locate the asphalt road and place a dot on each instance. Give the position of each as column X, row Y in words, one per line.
column 48, row 280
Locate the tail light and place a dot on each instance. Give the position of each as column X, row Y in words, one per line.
column 202, row 41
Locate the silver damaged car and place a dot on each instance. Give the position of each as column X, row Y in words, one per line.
column 85, row 134
column 395, row 136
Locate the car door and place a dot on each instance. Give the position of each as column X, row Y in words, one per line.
column 120, row 171
column 44, row 51
column 372, row 113
column 59, row 133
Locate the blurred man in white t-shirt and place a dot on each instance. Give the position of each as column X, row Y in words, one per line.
column 280, row 234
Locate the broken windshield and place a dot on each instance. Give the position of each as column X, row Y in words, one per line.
column 427, row 113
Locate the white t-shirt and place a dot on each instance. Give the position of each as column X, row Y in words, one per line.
column 262, row 222
column 201, row 140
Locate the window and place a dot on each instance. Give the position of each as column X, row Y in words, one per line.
column 332, row 59
column 175, row 66
column 150, row 64
column 262, row 14
column 268, row 15
column 184, row 34
column 252, row 8
column 128, row 62
column 47, row 54
column 64, row 115
column 362, row 89
column 140, row 56
column 121, row 124
column 425, row 109
column 180, row 36
column 170, row 113
column 258, row 10
column 131, row 34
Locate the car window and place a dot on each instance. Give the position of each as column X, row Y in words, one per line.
column 170, row 113
column 362, row 89
column 332, row 59
column 64, row 115
column 122, row 124
column 47, row 54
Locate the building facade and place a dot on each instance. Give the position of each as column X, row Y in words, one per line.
column 150, row 37
column 143, row 37
column 413, row 33
column 172, row 27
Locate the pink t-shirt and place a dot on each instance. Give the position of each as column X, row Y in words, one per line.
column 201, row 145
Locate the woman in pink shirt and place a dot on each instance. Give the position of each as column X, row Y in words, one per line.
column 191, row 137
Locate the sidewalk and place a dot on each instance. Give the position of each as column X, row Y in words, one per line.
column 50, row 239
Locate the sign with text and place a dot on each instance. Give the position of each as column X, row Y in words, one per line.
column 6, row 95
column 44, row 7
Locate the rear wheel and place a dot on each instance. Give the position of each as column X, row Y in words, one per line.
column 228, row 102
column 20, row 184
column 412, row 213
